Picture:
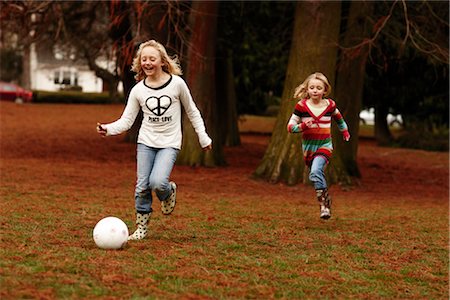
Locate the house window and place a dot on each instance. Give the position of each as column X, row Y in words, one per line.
column 56, row 77
column 66, row 78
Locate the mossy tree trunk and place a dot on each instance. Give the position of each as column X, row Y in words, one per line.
column 313, row 48
column 201, row 76
column 350, row 73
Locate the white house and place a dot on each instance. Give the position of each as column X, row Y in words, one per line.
column 53, row 69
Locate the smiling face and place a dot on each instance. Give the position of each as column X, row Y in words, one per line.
column 151, row 62
column 316, row 89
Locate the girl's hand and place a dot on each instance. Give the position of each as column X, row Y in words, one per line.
column 346, row 135
column 207, row 148
column 309, row 124
column 101, row 130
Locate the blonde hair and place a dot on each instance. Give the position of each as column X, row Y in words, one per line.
column 302, row 90
column 171, row 65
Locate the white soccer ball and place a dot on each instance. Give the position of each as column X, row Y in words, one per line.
column 110, row 233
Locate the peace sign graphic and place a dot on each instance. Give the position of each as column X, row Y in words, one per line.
column 158, row 105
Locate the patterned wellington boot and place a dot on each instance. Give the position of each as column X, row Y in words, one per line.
column 325, row 203
column 142, row 227
column 168, row 205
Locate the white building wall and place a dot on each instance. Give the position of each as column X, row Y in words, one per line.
column 33, row 67
column 89, row 82
column 53, row 76
column 43, row 78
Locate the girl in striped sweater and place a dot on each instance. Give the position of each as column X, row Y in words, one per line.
column 312, row 117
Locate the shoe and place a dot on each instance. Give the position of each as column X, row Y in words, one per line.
column 142, row 227
column 168, row 205
column 325, row 203
column 325, row 212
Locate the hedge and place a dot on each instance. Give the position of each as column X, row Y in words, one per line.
column 74, row 97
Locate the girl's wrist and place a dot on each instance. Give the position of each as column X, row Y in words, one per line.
column 303, row 126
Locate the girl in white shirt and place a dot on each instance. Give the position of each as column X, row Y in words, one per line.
column 159, row 93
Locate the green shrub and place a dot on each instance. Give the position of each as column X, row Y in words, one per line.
column 74, row 97
column 431, row 141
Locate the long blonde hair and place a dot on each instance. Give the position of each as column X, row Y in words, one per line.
column 171, row 65
column 302, row 90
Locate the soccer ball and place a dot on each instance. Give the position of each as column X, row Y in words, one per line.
column 110, row 233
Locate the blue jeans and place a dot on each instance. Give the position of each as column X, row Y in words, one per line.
column 154, row 166
column 317, row 173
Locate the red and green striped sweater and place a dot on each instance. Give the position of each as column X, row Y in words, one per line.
column 316, row 141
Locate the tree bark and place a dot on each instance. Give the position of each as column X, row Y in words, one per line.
column 227, row 102
column 26, row 67
column 350, row 73
column 201, row 76
column 382, row 133
column 315, row 36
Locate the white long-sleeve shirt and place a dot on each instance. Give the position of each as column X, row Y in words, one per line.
column 161, row 125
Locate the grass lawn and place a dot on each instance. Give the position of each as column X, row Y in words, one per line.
column 230, row 236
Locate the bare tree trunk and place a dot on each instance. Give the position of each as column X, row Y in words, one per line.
column 226, row 101
column 351, row 71
column 382, row 133
column 26, row 65
column 201, row 78
column 315, row 36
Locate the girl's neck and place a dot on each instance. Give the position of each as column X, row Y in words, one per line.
column 157, row 79
column 317, row 101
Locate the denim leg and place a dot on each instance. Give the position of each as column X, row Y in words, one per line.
column 317, row 174
column 143, row 193
column 159, row 177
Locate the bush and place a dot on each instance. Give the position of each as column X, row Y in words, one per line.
column 74, row 97
column 430, row 141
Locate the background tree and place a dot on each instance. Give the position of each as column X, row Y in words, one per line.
column 313, row 48
column 201, row 76
column 350, row 72
column 258, row 34
column 77, row 30
column 408, row 67
column 10, row 64
column 23, row 23
column 407, row 38
column 226, row 99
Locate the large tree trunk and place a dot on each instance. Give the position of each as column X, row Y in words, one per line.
column 315, row 36
column 350, row 73
column 201, row 76
column 227, row 101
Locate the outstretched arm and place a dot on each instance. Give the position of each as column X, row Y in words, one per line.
column 195, row 117
column 343, row 128
column 125, row 121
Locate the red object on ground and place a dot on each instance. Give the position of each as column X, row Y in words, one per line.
column 15, row 93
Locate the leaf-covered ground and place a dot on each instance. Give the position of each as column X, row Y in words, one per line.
column 230, row 237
